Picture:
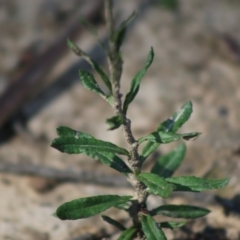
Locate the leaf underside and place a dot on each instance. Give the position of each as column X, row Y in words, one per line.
column 180, row 211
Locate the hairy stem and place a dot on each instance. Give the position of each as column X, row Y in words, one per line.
column 115, row 69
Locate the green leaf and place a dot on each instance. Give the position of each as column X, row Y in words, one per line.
column 84, row 143
column 168, row 164
column 68, row 132
column 178, row 119
column 151, row 230
column 136, row 81
column 124, row 206
column 167, row 137
column 170, row 125
column 114, row 122
column 71, row 141
column 120, row 33
column 87, row 207
column 93, row 64
column 128, row 234
column 195, row 184
column 113, row 222
column 156, row 184
column 180, row 211
column 90, row 83
column 149, row 148
column 171, row 225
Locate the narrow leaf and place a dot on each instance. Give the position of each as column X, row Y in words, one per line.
column 128, row 234
column 168, row 164
column 114, row 122
column 111, row 160
column 120, row 33
column 87, row 207
column 178, row 119
column 90, row 83
column 123, row 206
column 167, row 137
column 113, row 222
column 136, row 81
column 149, row 148
column 170, row 125
column 180, row 211
column 195, row 184
column 94, row 65
column 156, row 184
column 84, row 143
column 68, row 132
column 171, row 225
column 151, row 230
column 71, row 141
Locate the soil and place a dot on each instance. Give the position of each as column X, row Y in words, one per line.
column 197, row 58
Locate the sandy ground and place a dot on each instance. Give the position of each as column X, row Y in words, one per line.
column 192, row 62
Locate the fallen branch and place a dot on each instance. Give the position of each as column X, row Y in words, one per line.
column 79, row 175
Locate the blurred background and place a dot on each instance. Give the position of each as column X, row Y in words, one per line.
column 197, row 58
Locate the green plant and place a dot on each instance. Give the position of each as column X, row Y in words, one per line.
column 159, row 180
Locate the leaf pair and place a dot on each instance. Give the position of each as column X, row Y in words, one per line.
column 166, row 131
column 74, row 142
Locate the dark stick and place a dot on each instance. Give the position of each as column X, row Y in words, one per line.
column 26, row 86
column 79, row 175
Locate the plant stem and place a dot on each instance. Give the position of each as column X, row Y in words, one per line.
column 115, row 69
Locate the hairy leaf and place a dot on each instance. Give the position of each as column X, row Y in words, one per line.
column 180, row 211
column 156, row 184
column 195, row 184
column 84, row 143
column 167, row 137
column 171, row 225
column 120, row 33
column 68, row 132
column 71, row 141
column 151, row 230
column 170, row 125
column 136, row 81
column 87, row 207
column 78, row 51
column 149, row 148
column 168, row 164
column 178, row 119
column 128, row 234
column 90, row 83
column 113, row 222
column 114, row 122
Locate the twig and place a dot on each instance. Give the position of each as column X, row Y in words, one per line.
column 115, row 69
column 76, row 175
